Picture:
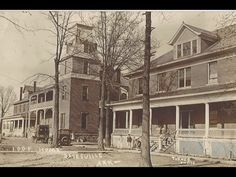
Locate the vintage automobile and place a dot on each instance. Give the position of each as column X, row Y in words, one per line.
column 64, row 137
column 41, row 134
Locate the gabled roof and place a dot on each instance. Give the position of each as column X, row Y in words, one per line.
column 226, row 40
column 30, row 88
column 198, row 31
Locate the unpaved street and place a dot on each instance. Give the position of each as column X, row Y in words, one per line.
column 28, row 154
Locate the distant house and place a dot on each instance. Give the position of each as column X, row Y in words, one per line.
column 193, row 94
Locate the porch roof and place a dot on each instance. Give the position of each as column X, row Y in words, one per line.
column 183, row 92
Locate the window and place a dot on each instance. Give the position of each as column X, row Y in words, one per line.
column 184, row 77
column 188, row 77
column 161, row 84
column 84, row 120
column 85, row 93
column 34, row 99
column 20, row 123
column 212, row 72
column 85, row 69
column 181, row 78
column 63, row 95
column 140, row 86
column 86, row 47
column 186, row 48
column 62, row 120
column 179, row 50
column 194, row 46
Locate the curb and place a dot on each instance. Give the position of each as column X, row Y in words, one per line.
column 201, row 159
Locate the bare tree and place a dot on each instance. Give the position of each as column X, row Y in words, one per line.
column 7, row 97
column 120, row 47
column 60, row 21
column 145, row 145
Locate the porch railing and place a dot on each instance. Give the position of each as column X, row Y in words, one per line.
column 191, row 132
column 137, row 131
column 222, row 133
column 122, row 131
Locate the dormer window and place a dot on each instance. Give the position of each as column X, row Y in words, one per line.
column 194, row 46
column 190, row 40
column 179, row 51
column 186, row 49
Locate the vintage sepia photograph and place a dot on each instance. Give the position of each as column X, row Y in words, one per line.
column 118, row 88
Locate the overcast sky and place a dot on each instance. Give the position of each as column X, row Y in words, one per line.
column 24, row 54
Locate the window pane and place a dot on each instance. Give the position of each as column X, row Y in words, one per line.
column 178, row 50
column 212, row 70
column 194, row 46
column 161, row 82
column 186, row 49
column 84, row 120
column 85, row 93
column 140, row 88
column 181, row 78
column 188, row 76
column 85, row 67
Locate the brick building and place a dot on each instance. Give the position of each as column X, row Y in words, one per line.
column 193, row 95
column 79, row 93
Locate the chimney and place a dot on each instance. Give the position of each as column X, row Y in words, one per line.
column 34, row 86
column 21, row 91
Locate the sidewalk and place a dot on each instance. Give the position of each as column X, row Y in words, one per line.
column 180, row 156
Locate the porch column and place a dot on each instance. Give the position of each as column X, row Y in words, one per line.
column 29, row 120
column 44, row 116
column 114, row 120
column 18, row 125
column 177, row 119
column 150, row 125
column 126, row 119
column 206, row 119
column 130, row 120
column 36, row 116
column 22, row 125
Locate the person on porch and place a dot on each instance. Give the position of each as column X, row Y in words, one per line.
column 129, row 141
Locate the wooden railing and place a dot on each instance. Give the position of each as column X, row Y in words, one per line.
column 191, row 132
column 222, row 133
column 122, row 131
column 41, row 105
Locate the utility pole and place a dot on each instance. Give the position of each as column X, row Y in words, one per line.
column 145, row 145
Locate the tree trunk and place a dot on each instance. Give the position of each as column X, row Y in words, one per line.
column 101, row 126
column 145, row 145
column 108, row 136
column 56, row 107
column 2, row 114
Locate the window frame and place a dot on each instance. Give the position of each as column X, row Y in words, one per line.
column 182, row 48
column 87, row 67
column 140, row 85
column 85, row 118
column 158, row 82
column 185, row 78
column 213, row 80
column 188, row 53
column 63, row 95
column 85, row 99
